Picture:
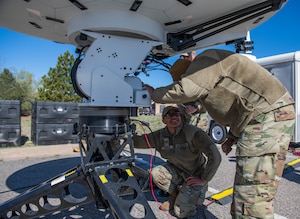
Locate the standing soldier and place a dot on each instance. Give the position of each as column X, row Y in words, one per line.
column 241, row 94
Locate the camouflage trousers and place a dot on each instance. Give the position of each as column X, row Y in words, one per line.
column 200, row 120
column 260, row 160
column 168, row 179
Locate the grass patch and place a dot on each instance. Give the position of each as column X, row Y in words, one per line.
column 155, row 123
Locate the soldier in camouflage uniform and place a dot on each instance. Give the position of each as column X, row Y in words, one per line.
column 195, row 114
column 192, row 161
column 241, row 94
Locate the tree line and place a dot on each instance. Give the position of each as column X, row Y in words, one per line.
column 56, row 86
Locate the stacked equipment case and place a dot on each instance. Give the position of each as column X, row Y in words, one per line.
column 10, row 123
column 53, row 122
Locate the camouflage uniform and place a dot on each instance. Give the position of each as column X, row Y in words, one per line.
column 189, row 152
column 260, row 159
column 168, row 179
column 239, row 93
column 198, row 119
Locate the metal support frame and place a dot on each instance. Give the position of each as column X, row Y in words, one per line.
column 190, row 36
column 107, row 175
column 50, row 196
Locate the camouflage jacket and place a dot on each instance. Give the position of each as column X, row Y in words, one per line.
column 232, row 88
column 190, row 150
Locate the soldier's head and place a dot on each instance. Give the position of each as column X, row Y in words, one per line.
column 179, row 68
column 171, row 116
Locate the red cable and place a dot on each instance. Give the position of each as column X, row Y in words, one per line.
column 150, row 170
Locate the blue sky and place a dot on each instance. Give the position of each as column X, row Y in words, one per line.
column 280, row 34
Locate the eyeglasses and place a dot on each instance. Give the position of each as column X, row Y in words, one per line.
column 169, row 115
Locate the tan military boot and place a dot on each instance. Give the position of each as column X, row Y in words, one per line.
column 76, row 148
column 169, row 205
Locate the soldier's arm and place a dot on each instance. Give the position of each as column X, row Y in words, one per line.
column 209, row 148
column 145, row 141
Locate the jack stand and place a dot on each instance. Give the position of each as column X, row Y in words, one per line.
column 107, row 174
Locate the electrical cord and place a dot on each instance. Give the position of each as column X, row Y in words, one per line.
column 151, row 163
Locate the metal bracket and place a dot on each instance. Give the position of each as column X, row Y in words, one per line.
column 188, row 37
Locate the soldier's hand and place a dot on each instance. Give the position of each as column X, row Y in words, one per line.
column 149, row 88
column 227, row 145
column 190, row 109
column 195, row 181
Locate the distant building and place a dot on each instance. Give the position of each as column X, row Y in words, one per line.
column 158, row 108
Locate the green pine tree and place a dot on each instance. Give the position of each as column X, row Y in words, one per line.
column 28, row 87
column 9, row 87
column 57, row 85
column 18, row 86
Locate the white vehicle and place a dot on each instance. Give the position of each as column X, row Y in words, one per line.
column 286, row 67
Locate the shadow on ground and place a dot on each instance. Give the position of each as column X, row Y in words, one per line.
column 30, row 176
